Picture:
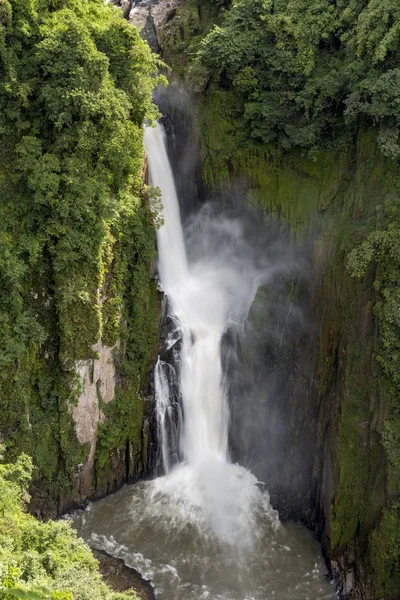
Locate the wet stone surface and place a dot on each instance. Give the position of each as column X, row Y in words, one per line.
column 122, row 578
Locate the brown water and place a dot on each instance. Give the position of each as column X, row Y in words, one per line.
column 194, row 544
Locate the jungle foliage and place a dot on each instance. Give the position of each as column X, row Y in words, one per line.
column 305, row 74
column 76, row 86
column 38, row 560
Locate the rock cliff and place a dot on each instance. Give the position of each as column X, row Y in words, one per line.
column 324, row 393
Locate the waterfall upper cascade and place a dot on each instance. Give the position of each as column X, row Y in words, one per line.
column 204, row 530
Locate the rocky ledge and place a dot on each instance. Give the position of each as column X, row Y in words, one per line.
column 122, row 578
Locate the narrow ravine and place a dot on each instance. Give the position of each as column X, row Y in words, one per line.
column 205, row 529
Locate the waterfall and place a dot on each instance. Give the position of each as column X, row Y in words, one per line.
column 208, row 290
column 203, row 529
column 172, row 259
column 199, row 299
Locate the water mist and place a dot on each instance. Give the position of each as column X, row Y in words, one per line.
column 203, row 530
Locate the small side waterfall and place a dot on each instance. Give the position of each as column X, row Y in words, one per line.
column 168, row 414
column 163, row 408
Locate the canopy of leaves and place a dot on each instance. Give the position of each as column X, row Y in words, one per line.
column 76, row 84
column 303, row 74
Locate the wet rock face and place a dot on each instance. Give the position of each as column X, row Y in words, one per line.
column 124, row 5
column 97, row 378
column 153, row 18
column 122, row 578
column 162, row 12
column 140, row 16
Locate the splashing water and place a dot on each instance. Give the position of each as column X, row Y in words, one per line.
column 205, row 529
column 204, row 294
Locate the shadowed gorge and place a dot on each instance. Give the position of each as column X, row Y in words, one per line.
column 200, row 297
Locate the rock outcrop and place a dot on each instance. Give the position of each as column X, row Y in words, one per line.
column 97, row 381
column 122, row 578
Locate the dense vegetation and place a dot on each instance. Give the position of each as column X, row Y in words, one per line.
column 42, row 560
column 76, row 235
column 303, row 74
column 302, row 99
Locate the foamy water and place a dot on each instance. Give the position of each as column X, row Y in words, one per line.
column 167, row 529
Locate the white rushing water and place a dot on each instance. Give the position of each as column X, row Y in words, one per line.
column 204, row 530
column 200, row 298
column 163, row 408
column 204, row 295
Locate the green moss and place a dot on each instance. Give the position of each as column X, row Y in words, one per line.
column 79, row 317
column 334, row 200
column 123, row 423
column 112, row 289
column 384, row 552
column 353, row 460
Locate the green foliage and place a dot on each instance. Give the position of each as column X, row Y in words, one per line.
column 76, row 86
column 382, row 248
column 37, row 593
column 38, row 560
column 135, row 355
column 71, row 124
column 155, row 206
column 384, row 552
column 301, row 74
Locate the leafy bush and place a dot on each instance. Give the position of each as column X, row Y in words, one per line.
column 76, row 85
column 42, row 560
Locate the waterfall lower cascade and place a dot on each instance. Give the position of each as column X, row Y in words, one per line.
column 204, row 530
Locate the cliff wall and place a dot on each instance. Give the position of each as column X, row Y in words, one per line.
column 79, row 312
column 335, row 464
